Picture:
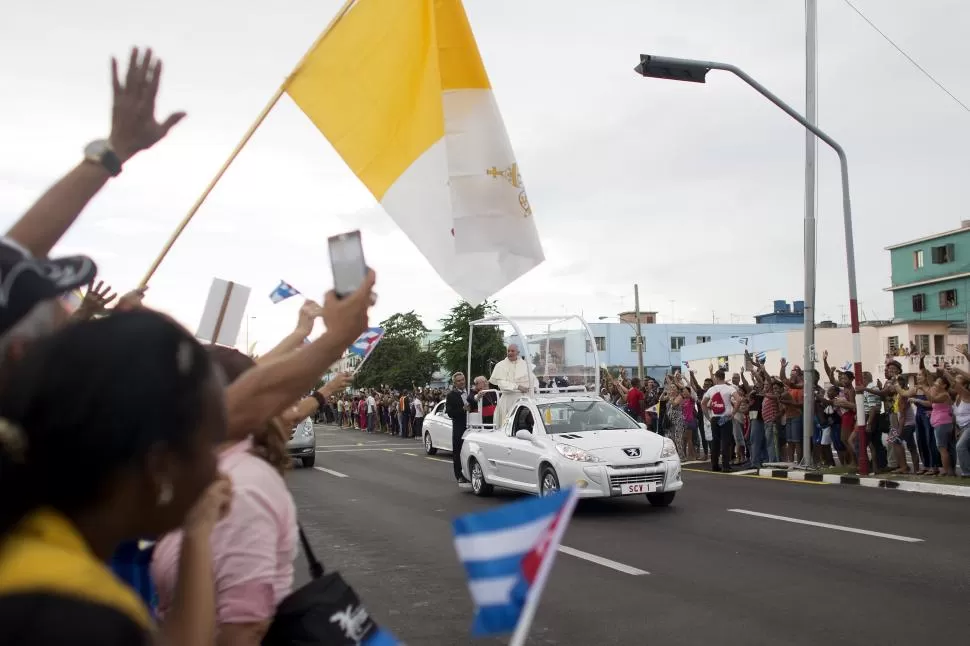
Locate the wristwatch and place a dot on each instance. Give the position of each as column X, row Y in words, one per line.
column 100, row 152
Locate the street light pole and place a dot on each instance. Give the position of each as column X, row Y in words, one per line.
column 808, row 412
column 694, row 71
column 636, row 306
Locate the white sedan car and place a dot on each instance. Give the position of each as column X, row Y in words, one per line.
column 578, row 439
column 436, row 430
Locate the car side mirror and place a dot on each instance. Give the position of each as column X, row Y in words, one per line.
column 643, row 426
column 523, row 434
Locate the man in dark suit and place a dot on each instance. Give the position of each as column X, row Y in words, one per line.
column 455, row 407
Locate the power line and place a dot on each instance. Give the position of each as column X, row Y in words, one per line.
column 907, row 56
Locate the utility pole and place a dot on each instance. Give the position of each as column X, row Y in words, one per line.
column 636, row 307
column 811, row 144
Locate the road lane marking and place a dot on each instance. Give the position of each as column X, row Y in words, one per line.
column 354, row 446
column 413, row 455
column 357, row 450
column 840, row 528
column 605, row 562
column 332, row 472
column 438, row 459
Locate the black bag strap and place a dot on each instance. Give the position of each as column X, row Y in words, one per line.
column 316, row 567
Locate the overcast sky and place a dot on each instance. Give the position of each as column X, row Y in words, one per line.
column 694, row 191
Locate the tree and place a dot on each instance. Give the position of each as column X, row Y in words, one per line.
column 406, row 326
column 399, row 361
column 488, row 344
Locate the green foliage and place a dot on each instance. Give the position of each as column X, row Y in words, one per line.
column 399, row 361
column 406, row 326
column 488, row 344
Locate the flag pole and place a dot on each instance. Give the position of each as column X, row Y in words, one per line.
column 532, row 600
column 235, row 153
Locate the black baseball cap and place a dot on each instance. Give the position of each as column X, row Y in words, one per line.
column 27, row 281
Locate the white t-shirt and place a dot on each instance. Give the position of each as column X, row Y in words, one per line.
column 418, row 408
column 719, row 400
column 371, row 404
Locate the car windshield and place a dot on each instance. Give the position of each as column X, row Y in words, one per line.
column 583, row 415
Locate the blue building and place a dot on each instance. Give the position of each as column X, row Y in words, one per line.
column 784, row 313
column 616, row 343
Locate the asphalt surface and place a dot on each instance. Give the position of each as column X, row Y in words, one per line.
column 382, row 517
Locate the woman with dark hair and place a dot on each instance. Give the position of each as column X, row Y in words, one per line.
column 107, row 431
column 253, row 548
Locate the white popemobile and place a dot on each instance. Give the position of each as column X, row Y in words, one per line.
column 563, row 436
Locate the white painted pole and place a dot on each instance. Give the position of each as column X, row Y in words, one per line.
column 811, row 145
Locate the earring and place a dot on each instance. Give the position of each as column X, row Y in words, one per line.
column 165, row 494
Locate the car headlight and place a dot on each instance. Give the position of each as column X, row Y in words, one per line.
column 669, row 450
column 572, row 453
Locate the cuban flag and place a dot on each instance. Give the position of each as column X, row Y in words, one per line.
column 761, row 356
column 282, row 292
column 508, row 553
column 365, row 344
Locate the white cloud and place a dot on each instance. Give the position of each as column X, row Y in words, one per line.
column 693, row 191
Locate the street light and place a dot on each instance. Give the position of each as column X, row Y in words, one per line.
column 682, row 69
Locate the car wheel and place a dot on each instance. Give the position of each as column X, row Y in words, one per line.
column 548, row 481
column 661, row 499
column 308, row 462
column 428, row 447
column 479, row 486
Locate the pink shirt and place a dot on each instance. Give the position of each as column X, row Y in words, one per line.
column 252, row 549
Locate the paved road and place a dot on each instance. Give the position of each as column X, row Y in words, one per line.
column 715, row 571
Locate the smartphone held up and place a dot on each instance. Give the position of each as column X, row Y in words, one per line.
column 347, row 262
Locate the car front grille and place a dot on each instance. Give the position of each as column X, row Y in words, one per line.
column 640, row 478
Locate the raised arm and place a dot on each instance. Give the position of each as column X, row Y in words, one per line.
column 304, row 326
column 133, row 128
column 267, row 389
column 829, row 371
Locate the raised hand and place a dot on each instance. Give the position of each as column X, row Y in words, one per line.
column 339, row 382
column 95, row 301
column 132, row 300
column 309, row 313
column 211, row 507
column 133, row 124
column 346, row 318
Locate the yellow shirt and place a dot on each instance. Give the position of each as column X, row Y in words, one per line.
column 54, row 589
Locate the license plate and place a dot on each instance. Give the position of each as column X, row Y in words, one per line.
column 644, row 487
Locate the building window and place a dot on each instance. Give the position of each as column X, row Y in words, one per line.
column 893, row 345
column 948, row 299
column 633, row 343
column 918, row 259
column 703, row 339
column 676, row 342
column 939, row 344
column 942, row 254
column 923, row 343
column 919, row 302
column 600, row 344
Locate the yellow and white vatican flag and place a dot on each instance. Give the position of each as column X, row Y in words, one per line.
column 399, row 89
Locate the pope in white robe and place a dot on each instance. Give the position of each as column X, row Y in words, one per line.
column 513, row 377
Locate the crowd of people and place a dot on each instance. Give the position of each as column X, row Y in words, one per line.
column 383, row 410
column 141, row 471
column 914, row 425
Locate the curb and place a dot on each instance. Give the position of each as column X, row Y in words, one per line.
column 875, row 483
